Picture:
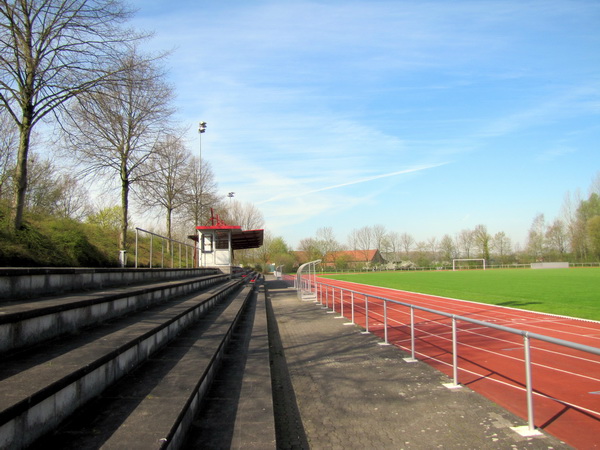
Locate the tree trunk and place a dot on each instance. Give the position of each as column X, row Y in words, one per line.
column 124, row 210
column 21, row 174
column 169, row 243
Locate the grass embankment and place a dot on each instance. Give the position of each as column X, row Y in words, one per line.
column 569, row 292
column 55, row 242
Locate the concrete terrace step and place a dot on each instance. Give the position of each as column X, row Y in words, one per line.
column 26, row 282
column 153, row 406
column 37, row 394
column 27, row 322
column 238, row 408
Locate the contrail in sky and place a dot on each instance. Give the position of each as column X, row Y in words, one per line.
column 349, row 183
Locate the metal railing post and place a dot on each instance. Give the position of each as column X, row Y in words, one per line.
column 526, row 343
column 454, row 353
column 151, row 248
column 341, row 302
column 136, row 248
column 412, row 332
column 352, row 300
column 367, row 313
column 385, row 330
column 333, row 298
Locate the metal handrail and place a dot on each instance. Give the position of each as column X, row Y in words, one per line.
column 527, row 336
column 164, row 238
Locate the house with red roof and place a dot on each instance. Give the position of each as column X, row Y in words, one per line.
column 355, row 259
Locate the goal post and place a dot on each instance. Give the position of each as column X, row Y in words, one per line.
column 456, row 266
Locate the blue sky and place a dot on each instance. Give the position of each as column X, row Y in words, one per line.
column 427, row 117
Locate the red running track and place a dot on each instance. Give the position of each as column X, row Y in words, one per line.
column 566, row 382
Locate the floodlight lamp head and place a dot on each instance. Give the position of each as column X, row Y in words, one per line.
column 202, row 127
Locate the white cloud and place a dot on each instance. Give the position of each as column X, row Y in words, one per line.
column 348, row 183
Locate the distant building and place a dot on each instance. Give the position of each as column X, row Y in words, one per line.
column 345, row 259
column 353, row 259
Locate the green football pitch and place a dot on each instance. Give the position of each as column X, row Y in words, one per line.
column 568, row 292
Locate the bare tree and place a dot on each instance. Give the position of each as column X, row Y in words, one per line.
column 201, row 193
column 407, row 242
column 310, row 248
column 245, row 215
column 482, row 240
column 352, row 240
column 166, row 184
column 52, row 192
column 465, row 240
column 557, row 237
column 74, row 199
column 421, row 249
column 51, row 51
column 8, row 146
column 326, row 241
column 115, row 129
column 536, row 239
column 433, row 247
column 501, row 245
column 379, row 234
column 569, row 216
column 364, row 241
column 44, row 188
column 394, row 246
column 447, row 248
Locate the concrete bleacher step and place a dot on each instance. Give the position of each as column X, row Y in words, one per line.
column 32, row 282
column 43, row 385
column 27, row 322
column 238, row 411
column 154, row 406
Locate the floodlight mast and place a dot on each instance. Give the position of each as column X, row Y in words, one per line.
column 201, row 129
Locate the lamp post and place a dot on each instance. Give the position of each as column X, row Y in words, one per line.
column 201, row 129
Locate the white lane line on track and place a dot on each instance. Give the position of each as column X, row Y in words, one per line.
column 520, row 388
column 486, row 336
column 520, row 360
column 495, row 314
column 442, row 336
column 524, row 317
column 474, row 332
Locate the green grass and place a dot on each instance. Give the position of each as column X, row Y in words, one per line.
column 57, row 242
column 569, row 292
column 46, row 241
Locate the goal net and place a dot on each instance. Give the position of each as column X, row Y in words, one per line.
column 468, row 264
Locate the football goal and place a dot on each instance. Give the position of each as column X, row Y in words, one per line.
column 465, row 264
